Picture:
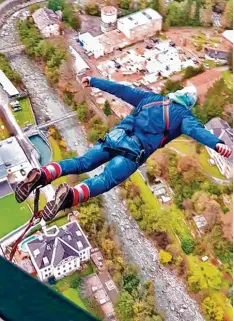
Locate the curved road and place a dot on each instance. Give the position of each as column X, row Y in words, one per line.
column 171, row 295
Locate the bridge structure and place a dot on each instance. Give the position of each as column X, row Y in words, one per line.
column 55, row 121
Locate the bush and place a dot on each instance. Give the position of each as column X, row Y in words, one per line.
column 187, row 245
column 191, row 71
column 9, row 72
column 107, row 109
column 171, row 86
column 165, row 257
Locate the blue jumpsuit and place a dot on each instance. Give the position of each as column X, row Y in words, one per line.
column 142, row 130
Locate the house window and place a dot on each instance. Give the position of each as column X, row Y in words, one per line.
column 69, row 263
column 59, row 273
column 46, row 275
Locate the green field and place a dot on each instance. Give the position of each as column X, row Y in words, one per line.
column 12, row 214
column 4, row 133
column 188, row 147
column 24, row 117
column 73, row 295
column 145, row 192
column 228, row 78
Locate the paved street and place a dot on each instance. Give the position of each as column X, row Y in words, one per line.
column 171, row 295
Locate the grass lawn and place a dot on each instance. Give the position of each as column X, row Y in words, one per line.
column 57, row 156
column 64, row 285
column 228, row 78
column 4, row 133
column 25, row 116
column 188, row 147
column 145, row 193
column 56, row 151
column 59, row 222
column 73, row 295
column 12, row 214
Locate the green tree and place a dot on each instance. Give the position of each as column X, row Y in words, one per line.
column 187, row 245
column 166, row 25
column 165, row 257
column 82, row 111
column 204, row 276
column 34, row 8
column 124, row 306
column 192, row 71
column 124, row 4
column 56, row 5
column 90, row 215
column 211, row 310
column 107, row 109
column 130, row 282
column 9, row 72
column 92, row 9
column 227, row 20
column 171, row 86
column 230, row 59
column 175, row 14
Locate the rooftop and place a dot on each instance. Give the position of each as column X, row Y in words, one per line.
column 109, row 10
column 11, row 153
column 222, row 130
column 80, row 64
column 44, row 17
column 140, row 18
column 228, row 34
column 7, row 85
column 58, row 244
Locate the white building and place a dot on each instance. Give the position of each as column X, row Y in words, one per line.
column 59, row 251
column 14, row 165
column 228, row 34
column 91, row 44
column 221, row 129
column 141, row 24
column 7, row 85
column 80, row 65
column 47, row 21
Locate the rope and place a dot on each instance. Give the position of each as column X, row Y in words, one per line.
column 33, row 221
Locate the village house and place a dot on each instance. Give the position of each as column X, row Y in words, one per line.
column 47, row 21
column 222, row 130
column 59, row 251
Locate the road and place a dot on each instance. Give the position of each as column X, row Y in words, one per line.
column 171, row 295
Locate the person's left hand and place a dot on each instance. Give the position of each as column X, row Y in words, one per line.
column 223, row 150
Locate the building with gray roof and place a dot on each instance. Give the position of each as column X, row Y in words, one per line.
column 59, row 251
column 221, row 129
column 14, row 165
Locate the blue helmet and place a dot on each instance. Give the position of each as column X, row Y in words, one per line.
column 186, row 96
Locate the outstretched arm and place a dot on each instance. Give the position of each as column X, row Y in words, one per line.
column 192, row 127
column 131, row 95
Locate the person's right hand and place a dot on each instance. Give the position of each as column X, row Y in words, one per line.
column 223, row 150
column 86, row 81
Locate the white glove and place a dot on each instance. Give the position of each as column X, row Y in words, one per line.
column 86, row 81
column 223, row 150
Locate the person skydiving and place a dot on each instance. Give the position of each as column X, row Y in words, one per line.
column 154, row 122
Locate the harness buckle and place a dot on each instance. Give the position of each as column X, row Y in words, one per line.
column 138, row 158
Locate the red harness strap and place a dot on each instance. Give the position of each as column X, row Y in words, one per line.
column 167, row 123
column 34, row 220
